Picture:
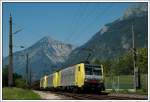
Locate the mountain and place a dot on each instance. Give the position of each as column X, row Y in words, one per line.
column 136, row 10
column 115, row 38
column 45, row 56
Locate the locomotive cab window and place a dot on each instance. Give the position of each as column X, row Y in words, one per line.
column 97, row 71
column 88, row 71
column 93, row 70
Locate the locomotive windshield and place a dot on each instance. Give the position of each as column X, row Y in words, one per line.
column 92, row 70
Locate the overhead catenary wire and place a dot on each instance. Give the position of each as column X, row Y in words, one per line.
column 80, row 15
column 105, row 49
column 90, row 25
column 74, row 20
column 28, row 69
column 20, row 27
column 86, row 14
column 92, row 21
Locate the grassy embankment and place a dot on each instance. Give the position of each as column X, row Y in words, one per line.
column 19, row 94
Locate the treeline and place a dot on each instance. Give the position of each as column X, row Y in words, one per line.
column 123, row 65
column 18, row 80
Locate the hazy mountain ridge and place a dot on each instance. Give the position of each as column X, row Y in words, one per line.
column 45, row 56
column 115, row 37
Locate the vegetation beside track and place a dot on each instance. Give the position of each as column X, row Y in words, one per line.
column 126, row 81
column 126, row 84
column 19, row 94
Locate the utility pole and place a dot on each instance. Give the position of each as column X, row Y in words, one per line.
column 27, row 81
column 10, row 68
column 137, row 83
column 30, row 77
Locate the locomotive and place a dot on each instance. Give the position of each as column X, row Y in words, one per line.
column 81, row 76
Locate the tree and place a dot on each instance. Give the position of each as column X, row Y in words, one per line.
column 18, row 79
column 5, row 76
column 123, row 65
column 142, row 60
column 21, row 83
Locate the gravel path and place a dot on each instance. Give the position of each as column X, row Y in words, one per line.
column 47, row 95
column 51, row 96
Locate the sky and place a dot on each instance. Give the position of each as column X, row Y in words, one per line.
column 73, row 23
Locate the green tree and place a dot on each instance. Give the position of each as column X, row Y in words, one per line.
column 17, row 79
column 123, row 65
column 142, row 60
column 5, row 76
column 21, row 83
column 126, row 64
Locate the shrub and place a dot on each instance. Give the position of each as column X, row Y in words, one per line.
column 21, row 83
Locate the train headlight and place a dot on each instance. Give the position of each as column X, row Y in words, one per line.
column 101, row 81
column 86, row 80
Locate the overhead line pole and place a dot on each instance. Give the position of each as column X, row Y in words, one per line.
column 10, row 65
column 137, row 84
column 27, row 69
column 30, row 77
column 10, row 68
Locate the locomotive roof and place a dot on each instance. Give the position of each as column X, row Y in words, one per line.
column 92, row 65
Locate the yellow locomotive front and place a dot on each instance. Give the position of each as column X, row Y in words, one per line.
column 89, row 77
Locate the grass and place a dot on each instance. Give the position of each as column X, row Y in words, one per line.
column 19, row 94
column 126, row 82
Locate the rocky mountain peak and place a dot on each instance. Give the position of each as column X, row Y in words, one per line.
column 48, row 39
column 135, row 10
column 115, row 38
column 45, row 56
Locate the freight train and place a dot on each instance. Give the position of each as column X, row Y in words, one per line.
column 75, row 78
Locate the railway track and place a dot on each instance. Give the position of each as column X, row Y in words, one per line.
column 103, row 96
